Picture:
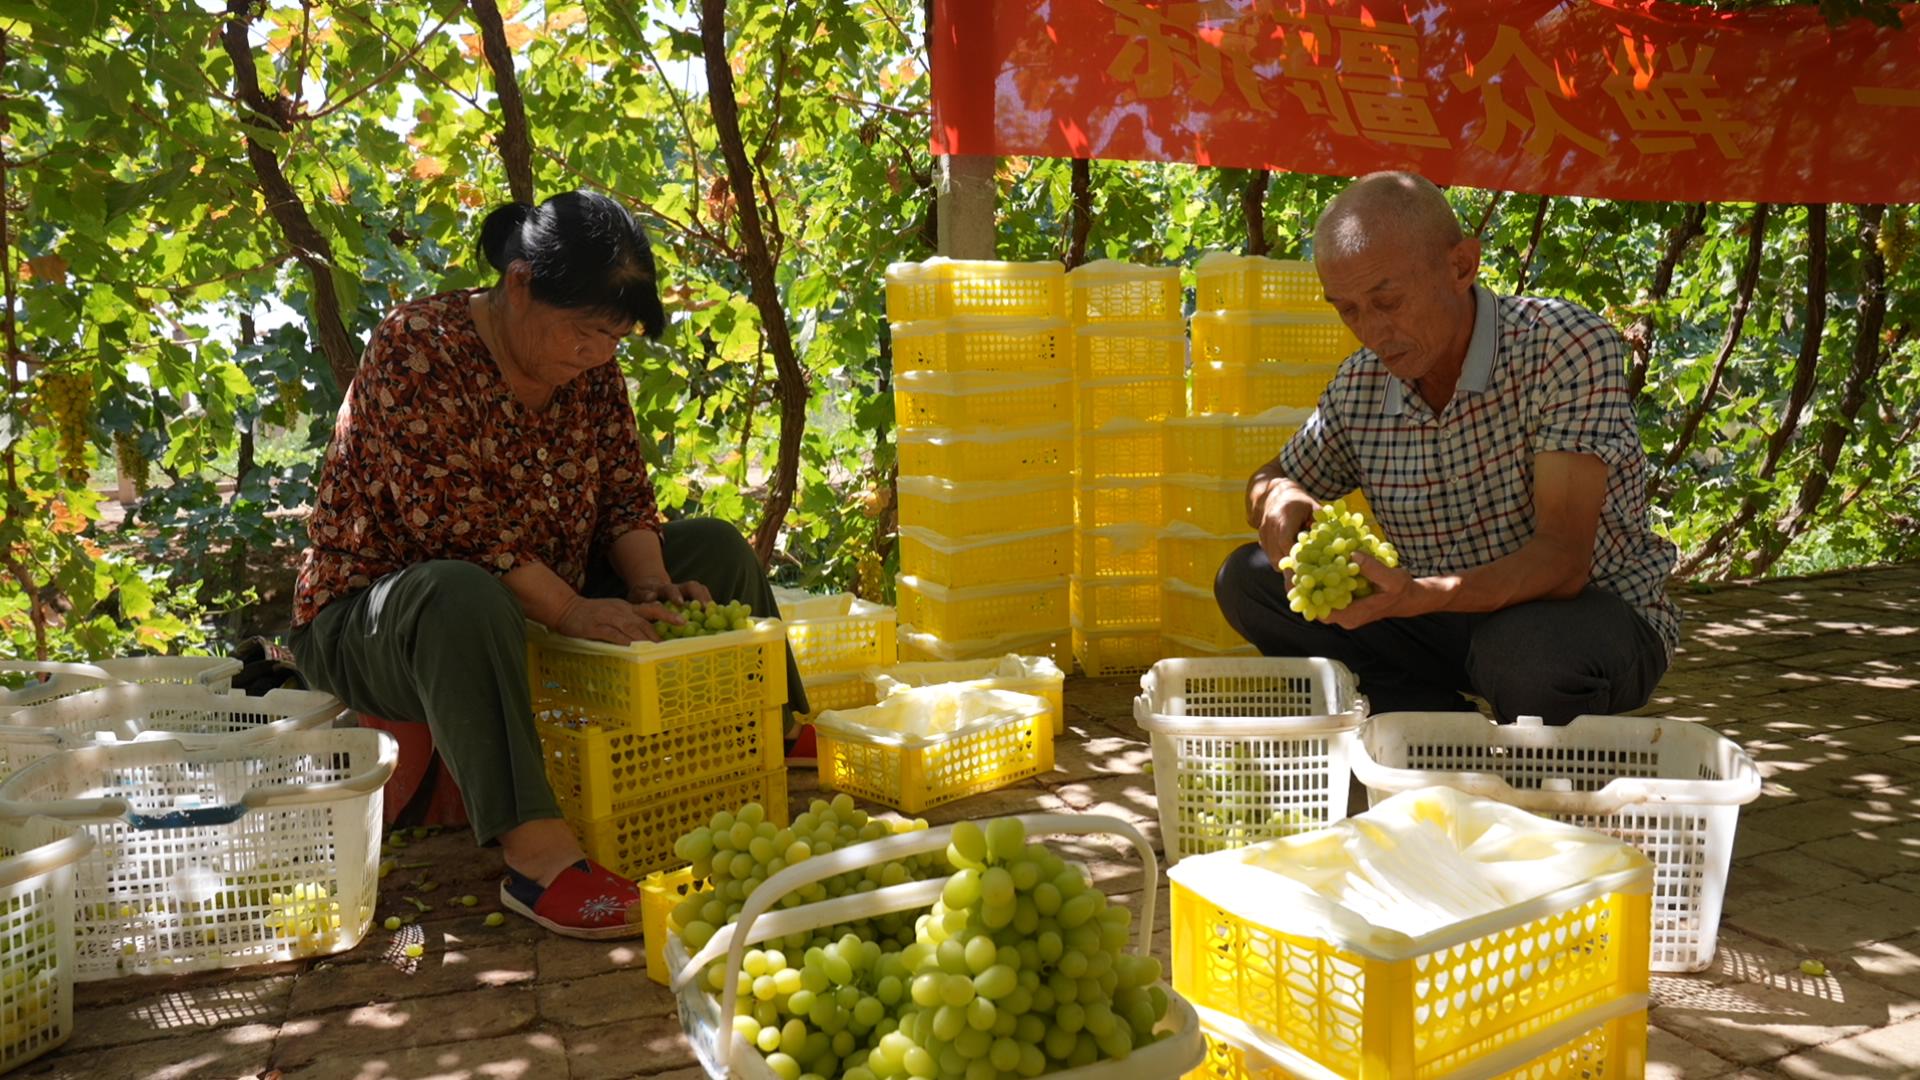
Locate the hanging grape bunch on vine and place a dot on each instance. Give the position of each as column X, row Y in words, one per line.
column 132, row 462
column 68, row 397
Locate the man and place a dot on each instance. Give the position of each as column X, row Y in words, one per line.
column 1495, row 439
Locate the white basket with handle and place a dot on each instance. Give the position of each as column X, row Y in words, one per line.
column 724, row 1053
column 61, row 679
column 118, row 712
column 1247, row 749
column 36, row 929
column 1671, row 788
column 237, row 852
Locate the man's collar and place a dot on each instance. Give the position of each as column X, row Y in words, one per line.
column 1478, row 367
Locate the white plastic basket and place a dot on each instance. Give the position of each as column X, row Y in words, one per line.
column 723, row 1053
column 1246, row 750
column 240, row 852
column 212, row 672
column 36, row 928
column 1671, row 788
column 119, row 712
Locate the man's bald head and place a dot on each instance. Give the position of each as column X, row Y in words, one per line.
column 1399, row 209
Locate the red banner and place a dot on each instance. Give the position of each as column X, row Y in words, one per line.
column 1564, row 97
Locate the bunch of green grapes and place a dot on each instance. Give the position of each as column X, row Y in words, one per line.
column 735, row 852
column 872, row 573
column 1898, row 239
column 133, row 463
column 1325, row 576
column 1019, row 969
column 704, row 617
column 68, row 397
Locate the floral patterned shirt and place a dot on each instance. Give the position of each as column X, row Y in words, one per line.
column 432, row 457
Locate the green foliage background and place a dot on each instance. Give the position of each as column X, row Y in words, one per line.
column 139, row 248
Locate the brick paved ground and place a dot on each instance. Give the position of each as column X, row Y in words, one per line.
column 1819, row 679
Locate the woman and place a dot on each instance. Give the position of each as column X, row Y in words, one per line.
column 484, row 470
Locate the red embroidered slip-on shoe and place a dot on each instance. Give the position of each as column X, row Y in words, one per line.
column 587, row 901
column 802, row 753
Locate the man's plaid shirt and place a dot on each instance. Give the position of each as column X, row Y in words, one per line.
column 1455, row 491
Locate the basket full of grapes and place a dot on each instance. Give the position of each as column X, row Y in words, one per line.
column 1248, row 749
column 964, row 951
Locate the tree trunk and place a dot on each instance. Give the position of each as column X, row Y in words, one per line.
column 1868, row 354
column 1808, row 361
column 790, row 381
column 1533, row 244
column 22, row 576
column 309, row 247
column 244, row 461
column 515, row 146
column 1081, row 217
column 1640, row 335
column 1253, row 206
column 1736, row 321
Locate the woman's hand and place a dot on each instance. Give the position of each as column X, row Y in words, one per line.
column 662, row 591
column 615, row 621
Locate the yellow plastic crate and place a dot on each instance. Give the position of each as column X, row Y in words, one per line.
column 1116, row 551
column 1225, row 281
column 983, row 343
column 836, row 632
column 939, row 288
column 596, row 771
column 1043, row 678
column 982, row 611
column 847, row 691
column 1234, row 389
column 1211, row 504
column 987, row 454
column 993, row 559
column 1120, row 448
column 660, row 892
column 1103, row 401
column 976, row 510
column 1418, row 1007
column 1108, row 290
column 1190, row 613
column 1104, row 501
column 1238, row 337
column 1613, row 1048
column 1129, row 603
column 654, row 686
column 1194, row 555
column 1054, row 643
column 1229, row 447
column 1011, row 741
column 1103, row 653
column 634, row 843
column 1129, row 351
column 965, row 399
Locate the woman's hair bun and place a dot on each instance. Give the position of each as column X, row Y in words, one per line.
column 500, row 233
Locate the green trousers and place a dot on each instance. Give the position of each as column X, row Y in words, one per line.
column 444, row 643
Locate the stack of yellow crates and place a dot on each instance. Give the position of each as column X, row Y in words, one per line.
column 1265, row 344
column 1130, row 357
column 983, row 410
column 644, row 742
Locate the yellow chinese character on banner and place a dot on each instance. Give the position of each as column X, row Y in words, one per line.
column 1207, row 41
column 1545, row 124
column 1678, row 100
column 1371, row 91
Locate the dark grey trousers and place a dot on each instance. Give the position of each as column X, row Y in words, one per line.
column 444, row 643
column 1555, row 659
